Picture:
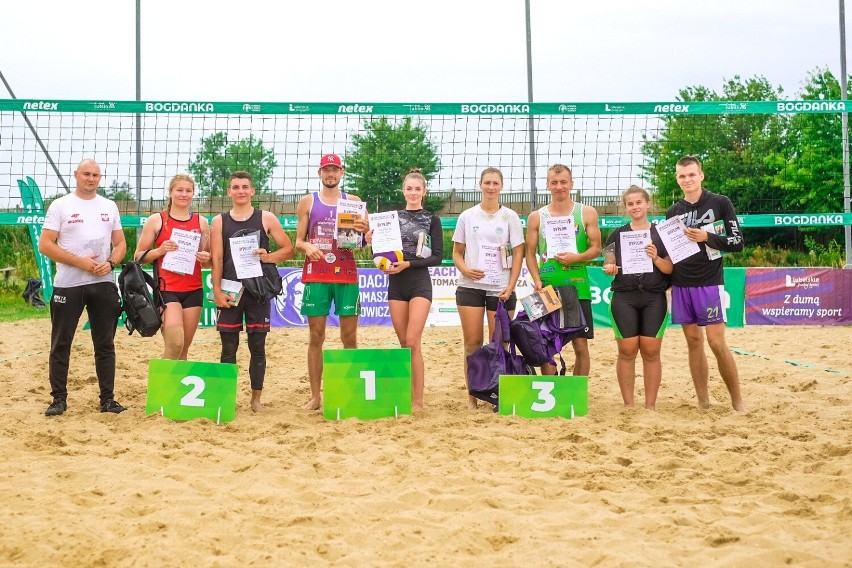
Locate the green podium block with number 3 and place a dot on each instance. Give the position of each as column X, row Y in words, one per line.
column 543, row 396
column 185, row 390
column 366, row 383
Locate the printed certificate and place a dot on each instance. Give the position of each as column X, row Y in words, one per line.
column 183, row 260
column 634, row 260
column 386, row 234
column 246, row 263
column 560, row 235
column 672, row 234
column 491, row 263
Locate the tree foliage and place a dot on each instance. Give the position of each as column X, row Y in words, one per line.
column 810, row 172
column 218, row 158
column 763, row 163
column 378, row 160
column 118, row 191
column 736, row 150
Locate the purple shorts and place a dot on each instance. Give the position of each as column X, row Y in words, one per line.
column 702, row 305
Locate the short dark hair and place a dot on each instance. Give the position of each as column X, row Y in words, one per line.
column 688, row 161
column 240, row 174
column 558, row 169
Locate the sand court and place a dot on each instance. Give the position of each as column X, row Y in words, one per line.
column 618, row 487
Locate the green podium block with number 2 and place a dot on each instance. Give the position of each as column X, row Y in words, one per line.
column 366, row 383
column 185, row 390
column 543, row 396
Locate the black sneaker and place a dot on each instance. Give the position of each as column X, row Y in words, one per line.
column 57, row 407
column 112, row 406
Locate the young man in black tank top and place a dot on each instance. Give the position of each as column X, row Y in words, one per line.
column 229, row 321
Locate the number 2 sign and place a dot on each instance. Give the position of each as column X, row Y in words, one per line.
column 185, row 390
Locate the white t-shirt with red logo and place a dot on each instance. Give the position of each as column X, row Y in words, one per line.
column 85, row 228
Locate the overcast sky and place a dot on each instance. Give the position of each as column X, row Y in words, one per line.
column 399, row 51
column 394, row 52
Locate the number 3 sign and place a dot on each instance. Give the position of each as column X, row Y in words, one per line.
column 542, row 396
column 184, row 390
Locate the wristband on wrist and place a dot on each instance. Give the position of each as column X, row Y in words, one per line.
column 111, row 263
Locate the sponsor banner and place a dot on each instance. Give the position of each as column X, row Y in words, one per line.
column 443, row 312
column 733, row 297
column 289, row 222
column 734, row 300
column 373, row 285
column 798, row 296
column 469, row 108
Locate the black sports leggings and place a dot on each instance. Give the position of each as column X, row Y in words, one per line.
column 257, row 352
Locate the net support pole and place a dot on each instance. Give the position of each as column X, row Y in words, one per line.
column 531, row 123
column 844, row 138
column 138, row 120
column 37, row 138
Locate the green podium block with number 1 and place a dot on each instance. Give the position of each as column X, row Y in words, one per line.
column 366, row 383
column 185, row 390
column 543, row 396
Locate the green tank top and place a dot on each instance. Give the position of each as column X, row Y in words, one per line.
column 554, row 273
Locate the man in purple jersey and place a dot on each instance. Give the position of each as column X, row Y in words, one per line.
column 330, row 275
column 698, row 281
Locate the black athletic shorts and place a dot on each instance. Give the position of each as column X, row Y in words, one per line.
column 193, row 299
column 637, row 312
column 586, row 306
column 256, row 316
column 476, row 298
column 410, row 283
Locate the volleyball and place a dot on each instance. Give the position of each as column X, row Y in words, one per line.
column 384, row 260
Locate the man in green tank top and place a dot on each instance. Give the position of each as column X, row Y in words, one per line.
column 562, row 237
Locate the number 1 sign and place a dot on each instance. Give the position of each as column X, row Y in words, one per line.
column 366, row 383
column 543, row 396
column 184, row 390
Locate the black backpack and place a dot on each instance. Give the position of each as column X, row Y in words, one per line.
column 141, row 307
column 262, row 288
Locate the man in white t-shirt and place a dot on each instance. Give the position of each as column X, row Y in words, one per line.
column 82, row 235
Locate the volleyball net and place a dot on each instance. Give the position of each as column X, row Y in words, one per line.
column 770, row 154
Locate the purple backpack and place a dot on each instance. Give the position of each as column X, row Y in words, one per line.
column 486, row 364
column 540, row 341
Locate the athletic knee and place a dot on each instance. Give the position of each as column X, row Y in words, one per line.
column 627, row 352
column 173, row 339
column 470, row 346
column 581, row 349
column 349, row 339
column 317, row 337
column 257, row 344
column 230, row 343
column 717, row 342
column 650, row 355
column 411, row 342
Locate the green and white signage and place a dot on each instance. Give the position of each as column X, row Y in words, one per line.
column 185, row 390
column 543, row 396
column 366, row 383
